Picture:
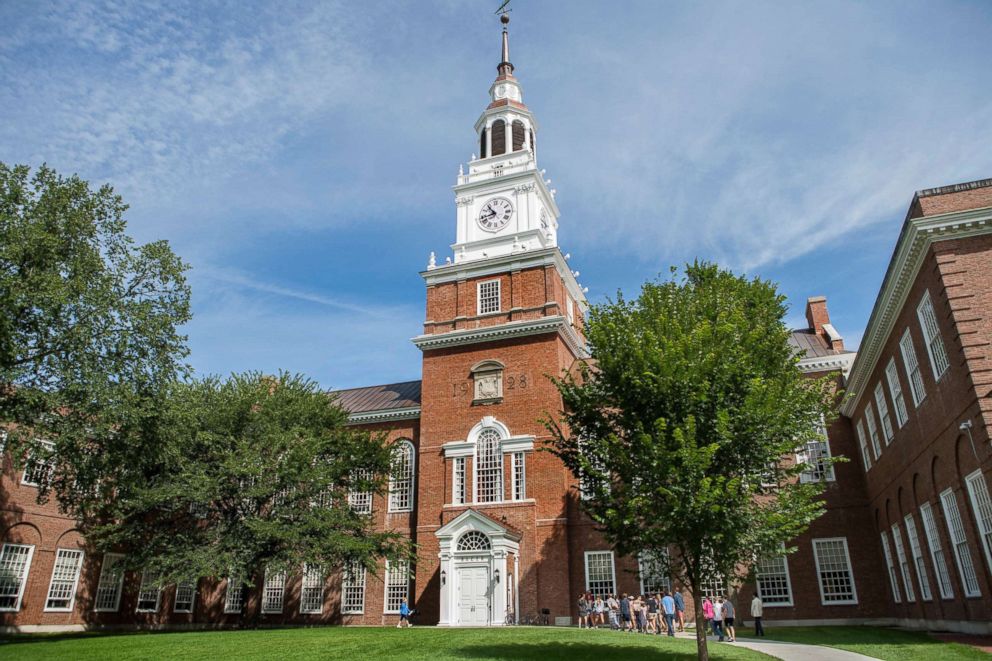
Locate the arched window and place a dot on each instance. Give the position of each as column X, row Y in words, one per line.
column 474, row 540
column 499, row 137
column 482, row 144
column 401, row 477
column 489, row 466
column 518, row 135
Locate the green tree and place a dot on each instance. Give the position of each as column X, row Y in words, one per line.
column 689, row 409
column 244, row 475
column 89, row 322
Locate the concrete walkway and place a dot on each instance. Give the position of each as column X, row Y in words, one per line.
column 788, row 651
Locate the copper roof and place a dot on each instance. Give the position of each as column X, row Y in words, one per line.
column 379, row 398
column 815, row 346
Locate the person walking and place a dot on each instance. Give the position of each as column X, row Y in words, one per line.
column 679, row 608
column 404, row 615
column 652, row 608
column 583, row 605
column 668, row 610
column 756, row 612
column 613, row 608
column 708, row 614
column 625, row 612
column 718, row 618
column 729, row 611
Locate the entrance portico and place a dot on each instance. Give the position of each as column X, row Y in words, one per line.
column 479, row 560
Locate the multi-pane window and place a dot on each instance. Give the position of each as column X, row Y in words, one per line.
column 833, row 567
column 353, row 589
column 519, row 476
column 917, row 550
column 234, row 599
column 907, row 577
column 489, row 467
column 893, row 581
column 865, row 456
column 955, row 527
column 774, row 585
column 39, row 465
column 912, row 368
column 273, row 590
column 397, row 584
column 714, row 587
column 895, row 389
column 653, row 571
column 108, row 590
column 458, row 488
column 883, row 413
column 931, row 336
column 981, row 505
column 312, row 590
column 185, row 596
column 816, row 459
column 360, row 501
column 15, row 562
column 401, row 478
column 936, row 552
column 600, row 574
column 488, row 296
column 873, row 430
column 149, row 592
column 65, row 576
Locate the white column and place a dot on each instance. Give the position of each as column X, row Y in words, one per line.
column 516, row 587
column 489, row 139
column 446, row 590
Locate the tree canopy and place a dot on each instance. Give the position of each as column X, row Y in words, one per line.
column 684, row 428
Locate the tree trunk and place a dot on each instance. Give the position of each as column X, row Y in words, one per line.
column 702, row 653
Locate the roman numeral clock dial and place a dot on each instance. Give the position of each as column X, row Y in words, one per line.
column 495, row 214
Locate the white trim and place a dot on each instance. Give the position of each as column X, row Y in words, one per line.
column 158, row 593
column 925, row 312
column 498, row 295
column 49, row 463
column 788, row 584
column 517, row 444
column 917, row 235
column 981, row 508
column 952, row 517
column 512, row 329
column 458, row 449
column 119, row 588
column 275, row 581
column 850, row 570
column 841, row 361
column 75, row 581
column 239, row 585
column 386, row 585
column 384, row 415
column 613, row 568
column 24, row 578
column 192, row 599
column 411, row 496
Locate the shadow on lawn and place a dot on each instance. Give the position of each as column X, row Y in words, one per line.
column 570, row 651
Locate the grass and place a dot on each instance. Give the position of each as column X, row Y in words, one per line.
column 879, row 642
column 517, row 644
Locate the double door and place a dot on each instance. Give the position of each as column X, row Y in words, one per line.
column 473, row 596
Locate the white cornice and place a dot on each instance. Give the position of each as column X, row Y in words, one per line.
column 917, row 235
column 530, row 174
column 384, row 415
column 505, row 331
column 841, row 361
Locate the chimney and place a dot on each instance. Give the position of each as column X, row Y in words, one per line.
column 819, row 322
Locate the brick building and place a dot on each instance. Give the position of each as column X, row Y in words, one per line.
column 908, row 531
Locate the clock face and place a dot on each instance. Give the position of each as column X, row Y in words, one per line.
column 495, row 214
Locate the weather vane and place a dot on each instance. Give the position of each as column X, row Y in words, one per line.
column 503, row 11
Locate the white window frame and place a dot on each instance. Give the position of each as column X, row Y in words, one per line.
column 865, row 454
column 890, row 565
column 459, row 481
column 25, row 572
column 944, row 583
column 883, row 414
column 313, row 579
column 812, row 456
column 777, row 574
column 647, row 566
column 569, row 310
column 904, row 570
column 916, row 550
column 29, row 465
column 613, row 572
column 397, row 579
column 932, row 338
column 273, row 592
column 853, row 599
column 518, row 472
column 912, row 366
column 959, row 543
column 112, row 562
column 66, row 560
column 353, row 589
column 360, row 502
column 981, row 506
column 191, row 587
column 401, row 487
column 498, row 479
column 876, row 444
column 895, row 391
column 486, row 299
column 146, row 585
column 234, row 600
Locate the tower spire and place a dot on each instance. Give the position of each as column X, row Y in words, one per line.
column 505, row 68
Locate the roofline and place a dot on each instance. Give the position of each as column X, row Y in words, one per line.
column 376, row 385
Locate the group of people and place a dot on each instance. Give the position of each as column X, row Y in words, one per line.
column 662, row 612
column 658, row 613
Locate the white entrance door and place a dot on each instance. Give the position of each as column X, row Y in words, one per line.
column 473, row 595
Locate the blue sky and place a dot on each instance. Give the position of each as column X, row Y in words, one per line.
column 300, row 155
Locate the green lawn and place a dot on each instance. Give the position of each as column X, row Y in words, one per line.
column 517, row 644
column 878, row 642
